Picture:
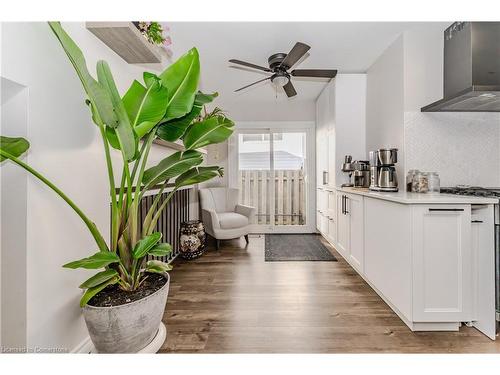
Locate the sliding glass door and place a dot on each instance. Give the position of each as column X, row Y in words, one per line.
column 272, row 175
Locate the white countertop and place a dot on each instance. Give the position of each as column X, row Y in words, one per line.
column 419, row 198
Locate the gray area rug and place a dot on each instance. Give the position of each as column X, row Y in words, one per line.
column 293, row 247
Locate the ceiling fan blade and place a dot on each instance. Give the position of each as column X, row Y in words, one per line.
column 321, row 73
column 234, row 61
column 289, row 89
column 298, row 50
column 244, row 87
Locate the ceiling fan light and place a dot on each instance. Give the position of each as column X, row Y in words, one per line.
column 280, row 80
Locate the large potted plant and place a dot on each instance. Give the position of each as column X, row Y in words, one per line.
column 124, row 302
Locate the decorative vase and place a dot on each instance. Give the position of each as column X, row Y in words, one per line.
column 128, row 328
column 192, row 239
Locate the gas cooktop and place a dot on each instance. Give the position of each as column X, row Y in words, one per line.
column 471, row 190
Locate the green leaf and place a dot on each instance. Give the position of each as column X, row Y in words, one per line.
column 112, row 138
column 98, row 278
column 91, row 292
column 98, row 96
column 146, row 106
column 212, row 130
column 156, row 266
column 14, row 146
column 181, row 79
column 98, row 260
column 145, row 245
column 172, row 130
column 124, row 131
column 201, row 99
column 198, row 175
column 172, row 166
column 161, row 250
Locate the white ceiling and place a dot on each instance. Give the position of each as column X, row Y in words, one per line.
column 350, row 47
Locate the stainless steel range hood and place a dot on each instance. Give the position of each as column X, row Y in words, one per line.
column 471, row 68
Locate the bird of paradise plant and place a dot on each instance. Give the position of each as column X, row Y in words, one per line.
column 165, row 106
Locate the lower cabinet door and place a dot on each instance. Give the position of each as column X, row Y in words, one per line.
column 356, row 231
column 442, row 279
column 483, row 254
column 324, row 225
column 342, row 226
column 332, row 229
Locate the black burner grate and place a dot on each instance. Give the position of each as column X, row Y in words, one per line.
column 472, row 190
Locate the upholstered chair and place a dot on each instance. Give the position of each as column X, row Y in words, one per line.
column 223, row 217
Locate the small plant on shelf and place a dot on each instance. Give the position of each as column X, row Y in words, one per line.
column 153, row 32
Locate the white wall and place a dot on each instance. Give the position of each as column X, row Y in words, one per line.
column 462, row 147
column 65, row 146
column 385, row 103
column 14, row 119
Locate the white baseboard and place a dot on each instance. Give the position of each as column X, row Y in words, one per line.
column 84, row 347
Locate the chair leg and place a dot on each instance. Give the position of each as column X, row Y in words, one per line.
column 217, row 244
column 246, row 237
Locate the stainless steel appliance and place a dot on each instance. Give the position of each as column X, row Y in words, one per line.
column 348, row 167
column 384, row 177
column 490, row 193
column 361, row 174
column 471, row 68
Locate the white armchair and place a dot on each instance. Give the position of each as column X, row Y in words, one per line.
column 223, row 217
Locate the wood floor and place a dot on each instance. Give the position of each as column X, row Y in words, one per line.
column 232, row 301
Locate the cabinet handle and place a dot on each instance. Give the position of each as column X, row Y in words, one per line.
column 346, row 199
column 477, row 221
column 325, row 177
column 343, row 204
column 445, row 209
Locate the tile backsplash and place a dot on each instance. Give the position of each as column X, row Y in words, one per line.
column 464, row 148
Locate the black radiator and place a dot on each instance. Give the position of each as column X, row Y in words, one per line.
column 169, row 224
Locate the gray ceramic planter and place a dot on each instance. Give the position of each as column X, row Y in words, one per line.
column 126, row 328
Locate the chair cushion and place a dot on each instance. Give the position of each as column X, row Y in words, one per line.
column 230, row 220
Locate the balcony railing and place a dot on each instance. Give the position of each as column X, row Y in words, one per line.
column 288, row 195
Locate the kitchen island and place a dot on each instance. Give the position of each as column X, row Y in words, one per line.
column 429, row 256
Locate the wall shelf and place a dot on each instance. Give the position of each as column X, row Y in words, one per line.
column 127, row 41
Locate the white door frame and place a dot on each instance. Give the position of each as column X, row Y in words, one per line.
column 307, row 127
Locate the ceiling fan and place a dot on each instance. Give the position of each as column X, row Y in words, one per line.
column 280, row 63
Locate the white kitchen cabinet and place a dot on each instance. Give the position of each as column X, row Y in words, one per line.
column 342, row 244
column 350, row 229
column 340, row 126
column 322, row 211
column 483, row 276
column 442, row 256
column 356, row 229
column 332, row 230
column 432, row 263
column 387, row 262
column 332, row 215
column 332, row 203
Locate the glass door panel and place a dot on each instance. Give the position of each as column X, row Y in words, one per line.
column 254, row 174
column 289, row 170
column 272, row 175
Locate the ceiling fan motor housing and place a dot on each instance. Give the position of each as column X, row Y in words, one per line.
column 275, row 60
column 279, row 63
